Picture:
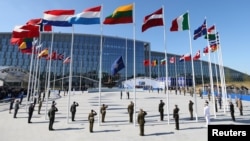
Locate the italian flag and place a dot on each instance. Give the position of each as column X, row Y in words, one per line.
column 180, row 23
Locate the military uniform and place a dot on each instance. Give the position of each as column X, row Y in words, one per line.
column 131, row 111
column 31, row 110
column 161, row 110
column 73, row 110
column 91, row 119
column 103, row 111
column 40, row 103
column 190, row 107
column 51, row 114
column 141, row 121
column 176, row 117
column 16, row 108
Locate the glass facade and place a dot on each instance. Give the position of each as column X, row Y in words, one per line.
column 86, row 59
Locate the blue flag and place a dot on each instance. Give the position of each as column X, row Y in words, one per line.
column 117, row 66
column 200, row 31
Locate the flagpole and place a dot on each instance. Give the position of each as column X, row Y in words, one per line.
column 126, row 75
column 216, row 74
column 210, row 73
column 70, row 71
column 175, row 75
column 54, row 74
column 134, row 65
column 100, row 69
column 80, row 87
column 193, row 75
column 48, row 83
column 63, row 74
column 202, row 79
column 31, row 62
column 166, row 66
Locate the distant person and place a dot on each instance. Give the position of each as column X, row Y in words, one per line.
column 40, row 103
column 240, row 106
column 21, row 97
column 128, row 94
column 121, row 95
column 51, row 114
column 16, row 108
column 31, row 110
column 219, row 101
column 176, row 116
column 161, row 110
column 207, row 113
column 103, row 111
column 131, row 111
column 91, row 119
column 12, row 101
column 141, row 121
column 73, row 110
column 231, row 107
column 190, row 107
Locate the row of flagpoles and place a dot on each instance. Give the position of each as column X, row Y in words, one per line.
column 121, row 15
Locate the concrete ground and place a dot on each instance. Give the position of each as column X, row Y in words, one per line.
column 116, row 126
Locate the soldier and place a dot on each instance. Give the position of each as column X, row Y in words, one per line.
column 91, row 119
column 231, row 105
column 131, row 111
column 103, row 111
column 40, row 103
column 73, row 110
column 12, row 100
column 16, row 108
column 240, row 106
column 128, row 94
column 31, row 109
column 190, row 105
column 51, row 114
column 176, row 117
column 141, row 121
column 161, row 109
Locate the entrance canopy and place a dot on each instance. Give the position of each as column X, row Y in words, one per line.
column 13, row 74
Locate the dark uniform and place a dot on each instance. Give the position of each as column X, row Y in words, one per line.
column 73, row 110
column 103, row 111
column 161, row 110
column 231, row 106
column 31, row 110
column 16, row 108
column 176, row 117
column 141, row 121
column 131, row 111
column 11, row 104
column 91, row 119
column 190, row 107
column 40, row 103
column 51, row 114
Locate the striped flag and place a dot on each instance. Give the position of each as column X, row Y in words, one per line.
column 88, row 16
column 58, row 17
column 154, row 19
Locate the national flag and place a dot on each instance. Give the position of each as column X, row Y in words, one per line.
column 88, row 16
column 181, row 23
column 197, row 55
column 205, row 50
column 200, row 31
column 16, row 41
column 117, row 66
column 67, row 60
column 60, row 56
column 186, row 57
column 27, row 51
column 25, row 31
column 43, row 53
column 121, row 15
column 213, row 47
column 26, row 43
column 172, row 60
column 38, row 22
column 52, row 56
column 146, row 62
column 163, row 61
column 57, row 17
column 154, row 19
column 211, row 33
column 154, row 63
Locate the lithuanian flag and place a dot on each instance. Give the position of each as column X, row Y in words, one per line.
column 121, row 15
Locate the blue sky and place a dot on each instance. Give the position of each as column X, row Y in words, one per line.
column 231, row 19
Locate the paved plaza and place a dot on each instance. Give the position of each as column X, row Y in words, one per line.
column 116, row 126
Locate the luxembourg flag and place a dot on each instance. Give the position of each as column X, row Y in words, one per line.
column 58, row 17
column 88, row 16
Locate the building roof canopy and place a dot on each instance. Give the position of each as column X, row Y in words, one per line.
column 13, row 74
